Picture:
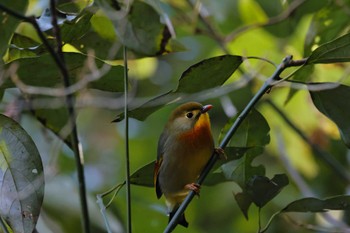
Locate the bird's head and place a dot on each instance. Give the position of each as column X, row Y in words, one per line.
column 189, row 116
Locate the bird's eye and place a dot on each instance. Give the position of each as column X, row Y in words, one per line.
column 189, row 115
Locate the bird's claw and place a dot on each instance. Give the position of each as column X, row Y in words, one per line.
column 194, row 187
column 221, row 153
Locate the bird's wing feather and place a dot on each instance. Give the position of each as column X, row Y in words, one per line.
column 160, row 151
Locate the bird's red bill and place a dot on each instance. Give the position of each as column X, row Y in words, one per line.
column 206, row 108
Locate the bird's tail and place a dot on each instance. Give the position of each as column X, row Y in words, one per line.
column 182, row 220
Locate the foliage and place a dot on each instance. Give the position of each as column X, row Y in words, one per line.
column 209, row 51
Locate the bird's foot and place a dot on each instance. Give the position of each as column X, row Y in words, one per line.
column 193, row 187
column 221, row 153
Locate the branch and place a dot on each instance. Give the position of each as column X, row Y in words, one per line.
column 213, row 32
column 269, row 83
column 72, row 116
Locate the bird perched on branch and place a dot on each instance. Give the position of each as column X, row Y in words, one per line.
column 184, row 148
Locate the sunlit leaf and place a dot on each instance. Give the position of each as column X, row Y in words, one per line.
column 326, row 25
column 74, row 7
column 8, row 23
column 21, row 177
column 337, row 50
column 206, row 74
column 254, row 131
column 23, row 47
column 332, row 100
column 101, row 38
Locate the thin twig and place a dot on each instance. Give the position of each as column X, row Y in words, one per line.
column 72, row 116
column 274, row 20
column 218, row 38
column 127, row 156
column 264, row 89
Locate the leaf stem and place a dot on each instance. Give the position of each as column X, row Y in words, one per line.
column 268, row 84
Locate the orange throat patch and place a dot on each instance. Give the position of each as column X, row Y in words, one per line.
column 200, row 134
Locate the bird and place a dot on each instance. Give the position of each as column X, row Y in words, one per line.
column 184, row 148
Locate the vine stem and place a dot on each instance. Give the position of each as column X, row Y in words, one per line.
column 127, row 156
column 268, row 84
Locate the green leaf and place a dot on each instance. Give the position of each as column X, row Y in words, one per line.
column 332, row 100
column 337, row 50
column 326, row 25
column 244, row 201
column 56, row 119
column 312, row 204
column 22, row 177
column 8, row 23
column 74, row 7
column 145, row 37
column 303, row 74
column 218, row 176
column 206, row 74
column 100, row 38
column 78, row 27
column 23, row 47
column 260, row 190
column 144, row 176
column 241, row 170
column 43, row 72
column 254, row 131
